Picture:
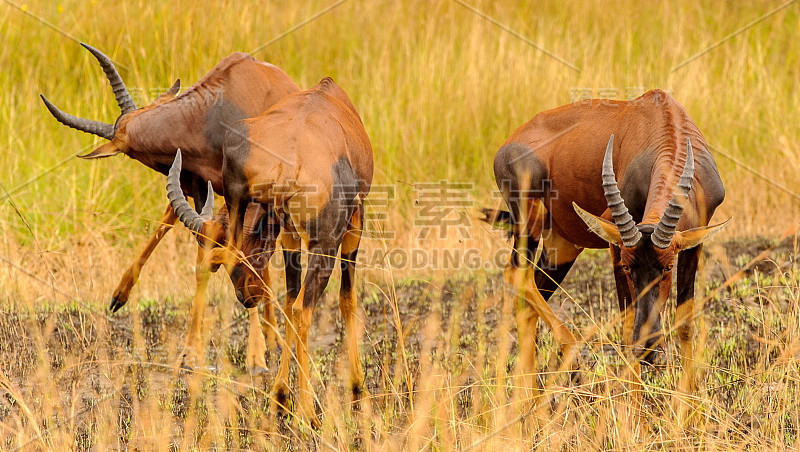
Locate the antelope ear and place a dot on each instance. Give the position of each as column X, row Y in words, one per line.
column 107, row 150
column 685, row 240
column 171, row 92
column 604, row 229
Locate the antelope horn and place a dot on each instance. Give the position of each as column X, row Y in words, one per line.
column 665, row 230
column 622, row 218
column 180, row 205
column 124, row 99
column 84, row 125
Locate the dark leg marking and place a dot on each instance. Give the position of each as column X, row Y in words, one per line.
column 549, row 276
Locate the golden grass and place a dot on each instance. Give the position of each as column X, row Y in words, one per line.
column 438, row 88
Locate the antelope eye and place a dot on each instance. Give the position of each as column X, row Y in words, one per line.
column 668, row 269
column 626, row 269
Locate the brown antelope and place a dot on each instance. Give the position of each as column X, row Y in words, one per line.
column 308, row 159
column 558, row 174
column 237, row 87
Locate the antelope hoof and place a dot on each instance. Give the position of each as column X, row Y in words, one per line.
column 309, row 415
column 359, row 391
column 280, row 396
column 189, row 368
column 360, row 394
column 254, row 363
column 576, row 377
column 123, row 291
column 572, row 362
column 117, row 301
column 190, row 360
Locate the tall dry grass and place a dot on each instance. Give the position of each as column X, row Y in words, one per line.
column 438, row 88
column 439, row 363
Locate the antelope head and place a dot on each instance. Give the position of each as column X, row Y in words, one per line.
column 647, row 252
column 212, row 232
column 116, row 133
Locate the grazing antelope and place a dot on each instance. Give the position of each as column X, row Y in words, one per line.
column 309, row 160
column 196, row 121
column 570, row 185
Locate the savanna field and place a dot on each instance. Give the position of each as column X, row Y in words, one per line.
column 439, row 86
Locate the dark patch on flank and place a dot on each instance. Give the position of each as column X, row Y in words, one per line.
column 331, row 222
column 236, row 153
column 326, row 231
column 221, row 116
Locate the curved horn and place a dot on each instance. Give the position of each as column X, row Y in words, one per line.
column 84, row 125
column 180, row 205
column 665, row 230
column 124, row 99
column 622, row 218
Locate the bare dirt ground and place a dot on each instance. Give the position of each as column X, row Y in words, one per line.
column 90, row 357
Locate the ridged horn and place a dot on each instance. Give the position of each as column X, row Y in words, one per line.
column 180, row 205
column 124, row 99
column 665, row 230
column 622, row 218
column 98, row 128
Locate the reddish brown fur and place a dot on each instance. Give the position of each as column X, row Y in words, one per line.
column 570, row 141
column 197, row 121
column 309, row 158
column 554, row 162
column 152, row 134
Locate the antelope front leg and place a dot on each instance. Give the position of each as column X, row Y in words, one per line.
column 280, row 389
column 685, row 313
column 294, row 271
column 684, row 318
column 260, row 329
column 194, row 349
column 268, row 325
column 256, row 345
column 627, row 307
column 305, row 395
column 131, row 275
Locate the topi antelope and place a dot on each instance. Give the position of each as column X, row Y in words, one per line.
column 562, row 188
column 196, row 121
column 309, row 160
